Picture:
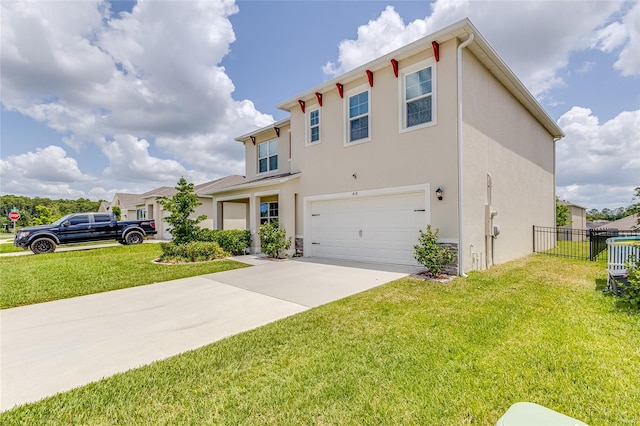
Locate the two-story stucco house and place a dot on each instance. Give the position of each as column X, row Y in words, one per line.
column 438, row 132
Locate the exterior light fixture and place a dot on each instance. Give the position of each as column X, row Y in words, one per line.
column 439, row 193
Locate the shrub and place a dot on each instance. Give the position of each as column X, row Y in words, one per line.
column 194, row 251
column 273, row 240
column 430, row 254
column 233, row 241
column 630, row 298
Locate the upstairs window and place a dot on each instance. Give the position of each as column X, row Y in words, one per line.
column 313, row 127
column 268, row 156
column 418, row 96
column 358, row 124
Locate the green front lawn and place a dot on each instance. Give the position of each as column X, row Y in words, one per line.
column 407, row 353
column 25, row 280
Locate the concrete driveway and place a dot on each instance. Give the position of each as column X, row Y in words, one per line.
column 56, row 346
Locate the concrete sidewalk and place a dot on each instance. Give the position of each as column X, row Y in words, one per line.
column 56, row 346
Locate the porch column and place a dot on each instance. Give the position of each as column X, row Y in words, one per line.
column 253, row 224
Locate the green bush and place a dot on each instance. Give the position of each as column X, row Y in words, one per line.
column 630, row 298
column 430, row 254
column 194, row 251
column 273, row 240
column 233, row 241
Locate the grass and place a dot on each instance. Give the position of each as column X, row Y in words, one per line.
column 6, row 246
column 575, row 249
column 408, row 353
column 26, row 280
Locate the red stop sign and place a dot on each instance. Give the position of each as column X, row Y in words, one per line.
column 14, row 216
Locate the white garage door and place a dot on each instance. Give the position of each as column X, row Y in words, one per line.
column 380, row 229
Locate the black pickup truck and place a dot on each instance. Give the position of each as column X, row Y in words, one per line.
column 83, row 227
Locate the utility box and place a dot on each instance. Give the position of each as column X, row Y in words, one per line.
column 530, row 414
column 489, row 227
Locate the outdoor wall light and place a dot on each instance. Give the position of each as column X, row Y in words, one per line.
column 439, row 193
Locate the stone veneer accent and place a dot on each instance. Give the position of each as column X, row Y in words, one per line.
column 299, row 247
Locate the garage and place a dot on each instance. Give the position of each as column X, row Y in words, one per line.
column 380, row 229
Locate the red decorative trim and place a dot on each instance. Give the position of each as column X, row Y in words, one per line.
column 277, row 129
column 436, row 50
column 370, row 77
column 340, row 89
column 301, row 102
column 394, row 64
column 319, row 97
column 253, row 139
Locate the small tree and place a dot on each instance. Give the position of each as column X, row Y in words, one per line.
column 273, row 240
column 562, row 214
column 635, row 208
column 183, row 228
column 117, row 211
column 430, row 254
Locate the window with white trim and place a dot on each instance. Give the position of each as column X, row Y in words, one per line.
column 418, row 103
column 141, row 214
column 358, row 115
column 268, row 156
column 268, row 212
column 313, row 126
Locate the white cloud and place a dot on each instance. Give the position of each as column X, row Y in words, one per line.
column 130, row 160
column 45, row 171
column 598, row 161
column 623, row 35
column 115, row 80
column 534, row 38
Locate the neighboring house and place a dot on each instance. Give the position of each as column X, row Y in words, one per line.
column 629, row 223
column 105, row 206
column 129, row 206
column 146, row 206
column 596, row 223
column 575, row 229
column 438, row 132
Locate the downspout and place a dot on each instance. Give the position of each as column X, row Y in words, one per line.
column 460, row 185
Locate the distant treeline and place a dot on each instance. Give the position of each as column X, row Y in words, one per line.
column 40, row 211
column 620, row 212
column 611, row 215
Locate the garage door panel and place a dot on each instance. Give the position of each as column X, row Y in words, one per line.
column 375, row 229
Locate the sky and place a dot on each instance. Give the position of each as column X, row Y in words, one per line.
column 100, row 97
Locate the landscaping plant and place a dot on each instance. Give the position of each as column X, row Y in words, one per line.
column 233, row 241
column 183, row 228
column 273, row 240
column 430, row 254
column 193, row 251
column 630, row 298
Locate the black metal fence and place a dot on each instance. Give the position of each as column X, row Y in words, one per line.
column 587, row 244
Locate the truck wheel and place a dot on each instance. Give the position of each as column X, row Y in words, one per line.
column 134, row 237
column 43, row 245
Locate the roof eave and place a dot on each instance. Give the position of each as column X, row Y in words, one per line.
column 257, row 184
column 244, row 138
column 479, row 47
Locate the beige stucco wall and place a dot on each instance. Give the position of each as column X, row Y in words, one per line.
column 502, row 138
column 392, row 158
column 235, row 215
